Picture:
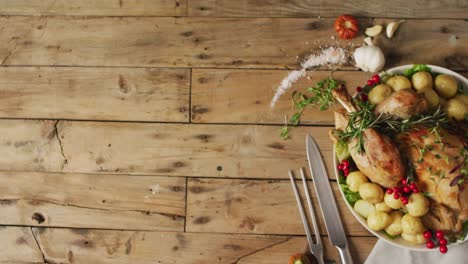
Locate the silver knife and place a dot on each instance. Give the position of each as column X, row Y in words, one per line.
column 327, row 203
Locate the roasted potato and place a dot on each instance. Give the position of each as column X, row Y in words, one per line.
column 418, row 205
column 398, row 82
column 371, row 192
column 363, row 208
column 383, row 207
column 432, row 98
column 392, row 202
column 379, row 93
column 415, row 239
column 355, row 179
column 394, row 228
column 456, row 109
column 422, row 81
column 412, row 225
column 463, row 98
column 445, row 85
column 378, row 220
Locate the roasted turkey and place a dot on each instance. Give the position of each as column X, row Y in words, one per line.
column 437, row 158
column 380, row 161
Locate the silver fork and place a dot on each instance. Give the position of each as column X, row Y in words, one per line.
column 315, row 248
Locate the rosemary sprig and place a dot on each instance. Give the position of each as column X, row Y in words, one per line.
column 364, row 118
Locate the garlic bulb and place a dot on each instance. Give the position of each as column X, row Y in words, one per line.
column 369, row 58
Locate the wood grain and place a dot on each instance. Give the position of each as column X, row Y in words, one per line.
column 329, row 8
column 19, row 246
column 244, row 96
column 255, row 206
column 95, row 93
column 94, row 8
column 92, row 201
column 212, row 42
column 91, row 246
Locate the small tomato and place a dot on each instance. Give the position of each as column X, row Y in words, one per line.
column 346, row 26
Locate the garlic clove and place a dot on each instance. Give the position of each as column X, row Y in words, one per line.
column 373, row 31
column 369, row 41
column 392, row 27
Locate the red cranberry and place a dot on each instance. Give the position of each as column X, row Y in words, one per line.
column 443, row 249
column 370, row 82
column 345, row 163
column 427, row 234
column 406, row 189
column 442, row 242
column 439, row 234
column 340, row 167
column 430, row 244
column 364, row 97
column 404, row 181
column 376, row 78
column 404, row 200
column 396, row 195
column 389, row 190
column 416, row 190
column 359, row 89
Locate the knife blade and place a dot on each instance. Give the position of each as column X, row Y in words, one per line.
column 326, row 200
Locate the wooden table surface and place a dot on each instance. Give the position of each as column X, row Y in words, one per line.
column 140, row 131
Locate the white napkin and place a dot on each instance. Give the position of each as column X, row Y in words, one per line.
column 384, row 252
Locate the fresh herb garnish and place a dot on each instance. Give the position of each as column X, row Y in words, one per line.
column 464, row 230
column 320, row 95
column 416, row 68
column 351, row 197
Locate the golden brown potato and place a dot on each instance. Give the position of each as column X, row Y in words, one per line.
column 378, row 220
column 355, row 179
column 379, row 93
column 394, row 228
column 415, row 239
column 418, row 205
column 456, row 109
column 432, row 98
column 412, row 225
column 463, row 98
column 363, row 208
column 446, row 86
column 383, row 207
column 398, row 82
column 422, row 81
column 392, row 202
column 371, row 192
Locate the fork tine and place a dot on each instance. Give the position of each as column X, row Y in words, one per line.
column 311, row 209
column 301, row 211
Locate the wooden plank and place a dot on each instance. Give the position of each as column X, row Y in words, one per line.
column 245, row 151
column 94, row 8
column 254, row 206
column 92, row 201
column 213, row 42
column 97, row 246
column 19, row 246
column 244, row 96
column 95, row 93
column 249, row 92
column 329, row 8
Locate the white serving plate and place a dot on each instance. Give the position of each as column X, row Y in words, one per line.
column 400, row 242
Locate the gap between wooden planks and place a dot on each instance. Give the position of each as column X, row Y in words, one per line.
column 238, row 151
column 54, row 245
column 214, row 42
